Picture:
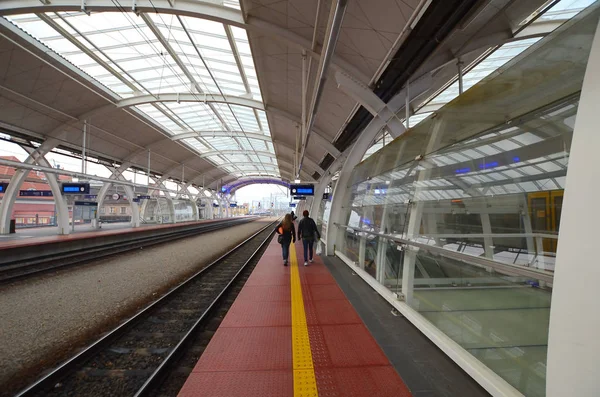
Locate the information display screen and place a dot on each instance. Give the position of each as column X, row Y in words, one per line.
column 304, row 190
column 3, row 186
column 75, row 188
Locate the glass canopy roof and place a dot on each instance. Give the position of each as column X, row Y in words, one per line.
column 561, row 11
column 169, row 54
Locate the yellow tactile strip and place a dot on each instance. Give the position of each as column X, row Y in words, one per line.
column 305, row 384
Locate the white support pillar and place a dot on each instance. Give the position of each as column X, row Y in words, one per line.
column 195, row 210
column 573, row 345
column 488, row 243
column 362, row 251
column 9, row 198
column 410, row 255
column 527, row 226
column 319, row 191
column 115, row 174
column 341, row 193
column 135, row 211
column 62, row 211
column 416, row 215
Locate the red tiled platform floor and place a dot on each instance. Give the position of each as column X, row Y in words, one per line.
column 251, row 352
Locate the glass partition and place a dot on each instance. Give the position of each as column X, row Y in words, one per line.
column 460, row 215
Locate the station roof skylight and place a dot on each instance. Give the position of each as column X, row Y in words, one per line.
column 157, row 54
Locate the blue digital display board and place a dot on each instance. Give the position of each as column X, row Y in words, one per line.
column 75, row 188
column 292, row 205
column 35, row 193
column 3, row 186
column 305, row 190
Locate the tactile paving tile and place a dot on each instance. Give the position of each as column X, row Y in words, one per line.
column 326, row 383
column 265, row 293
column 320, row 353
column 334, row 312
column 242, row 383
column 245, row 313
column 352, row 345
column 320, row 292
column 304, row 383
column 251, row 348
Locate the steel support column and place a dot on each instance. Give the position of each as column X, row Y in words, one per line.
column 341, row 193
column 367, row 98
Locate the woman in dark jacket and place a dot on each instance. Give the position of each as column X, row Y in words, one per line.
column 287, row 235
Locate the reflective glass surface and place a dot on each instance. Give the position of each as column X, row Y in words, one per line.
column 461, row 214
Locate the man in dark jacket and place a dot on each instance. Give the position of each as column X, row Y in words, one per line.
column 307, row 231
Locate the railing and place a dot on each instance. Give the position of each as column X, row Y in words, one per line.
column 507, row 269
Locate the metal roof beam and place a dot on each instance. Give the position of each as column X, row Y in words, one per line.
column 311, row 163
column 320, row 136
column 241, row 152
column 219, row 134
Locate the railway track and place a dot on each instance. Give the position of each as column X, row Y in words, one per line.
column 136, row 357
column 46, row 263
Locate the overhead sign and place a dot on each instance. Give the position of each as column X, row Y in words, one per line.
column 144, row 197
column 35, row 193
column 305, row 190
column 75, row 188
column 3, row 187
column 299, row 198
column 292, row 205
column 86, row 203
column 136, row 200
column 232, row 205
column 90, row 196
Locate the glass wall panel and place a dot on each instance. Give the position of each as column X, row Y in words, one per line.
column 461, row 213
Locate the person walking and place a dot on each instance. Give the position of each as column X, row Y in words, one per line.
column 307, row 231
column 287, row 235
column 294, row 217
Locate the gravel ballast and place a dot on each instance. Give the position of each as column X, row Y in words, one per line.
column 45, row 319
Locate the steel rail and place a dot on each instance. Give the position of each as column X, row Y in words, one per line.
column 52, row 378
column 43, row 264
column 157, row 375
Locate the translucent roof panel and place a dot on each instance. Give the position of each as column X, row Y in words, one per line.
column 156, row 54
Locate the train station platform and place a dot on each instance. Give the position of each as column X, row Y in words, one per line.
column 105, row 240
column 47, row 235
column 293, row 332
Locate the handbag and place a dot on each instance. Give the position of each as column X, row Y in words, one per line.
column 280, row 239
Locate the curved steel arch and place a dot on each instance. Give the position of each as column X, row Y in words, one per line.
column 240, row 183
column 187, row 97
